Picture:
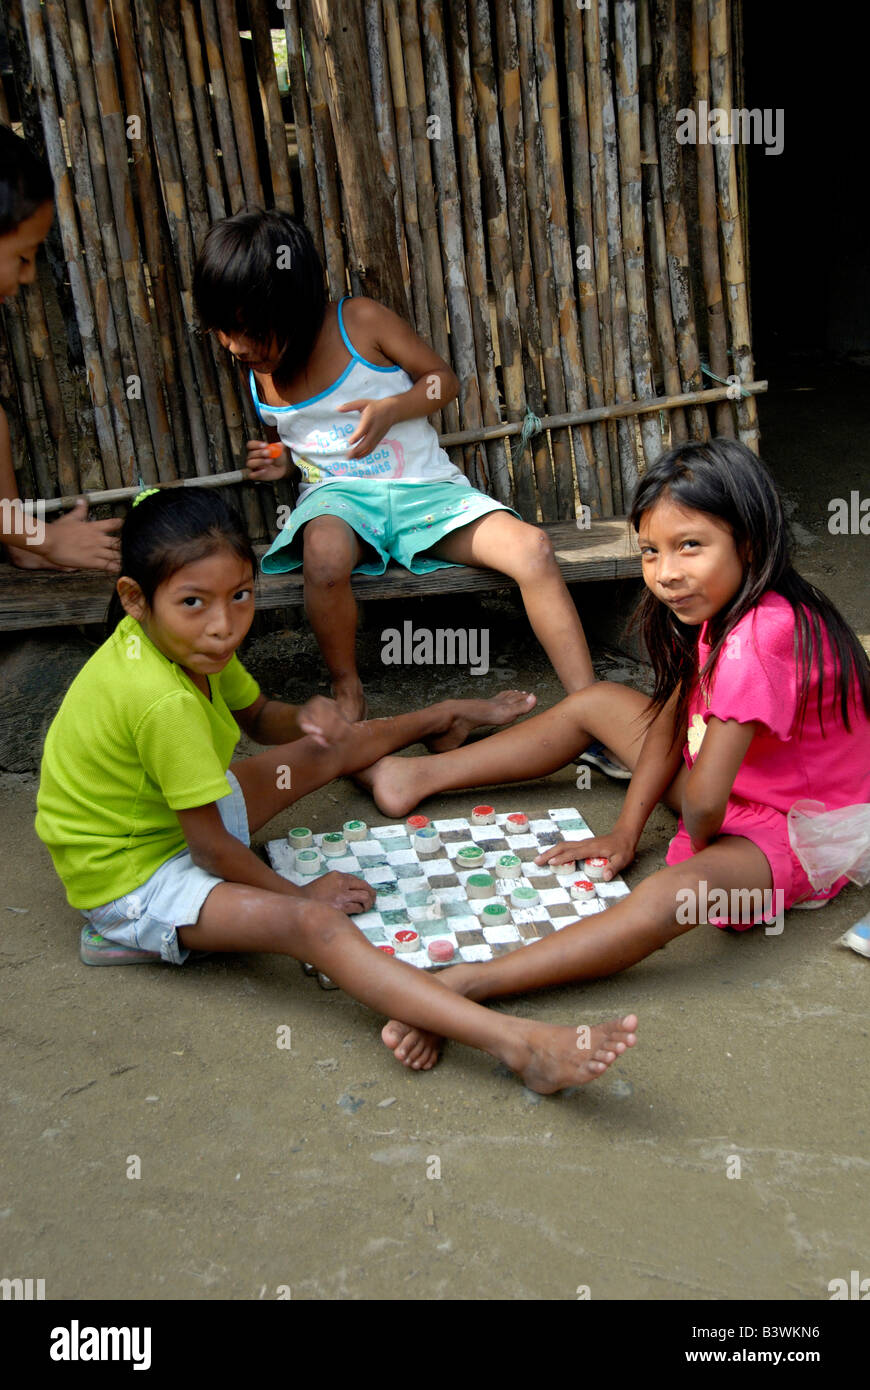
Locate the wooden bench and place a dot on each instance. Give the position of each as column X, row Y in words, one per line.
column 42, row 598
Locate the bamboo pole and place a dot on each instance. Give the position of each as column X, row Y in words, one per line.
column 529, row 485
column 234, row 67
column 655, row 221
column 75, row 72
column 49, row 383
column 122, row 228
column 31, row 415
column 175, row 205
column 220, row 103
column 674, row 205
column 584, row 239
column 475, row 254
column 325, row 158
column 592, row 47
column 270, row 99
column 202, row 113
column 631, row 208
column 72, row 247
column 730, row 225
column 185, row 408
column 562, row 261
column 418, row 111
column 406, row 176
column 497, row 227
column 450, row 226
column 448, row 441
column 385, row 128
column 708, row 220
column 628, row 461
column 370, row 221
column 302, row 122
column 559, row 503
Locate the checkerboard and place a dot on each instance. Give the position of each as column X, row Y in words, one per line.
column 428, row 894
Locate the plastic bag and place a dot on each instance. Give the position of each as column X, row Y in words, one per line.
column 830, row 844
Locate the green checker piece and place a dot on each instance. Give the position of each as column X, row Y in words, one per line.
column 494, row 915
column 469, row 857
column 396, row 917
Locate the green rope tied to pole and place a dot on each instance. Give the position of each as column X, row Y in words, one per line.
column 531, row 427
column 722, row 380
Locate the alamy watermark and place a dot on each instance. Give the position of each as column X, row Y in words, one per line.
column 442, row 647
column 737, row 906
column 26, row 519
column 850, row 518
column 713, row 125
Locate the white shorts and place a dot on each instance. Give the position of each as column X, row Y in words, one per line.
column 148, row 919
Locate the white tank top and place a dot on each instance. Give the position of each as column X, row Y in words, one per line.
column 316, row 432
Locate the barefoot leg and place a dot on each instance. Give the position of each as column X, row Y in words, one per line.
column 500, row 541
column 534, row 748
column 331, row 550
column 237, row 917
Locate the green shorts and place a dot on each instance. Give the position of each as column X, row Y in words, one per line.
column 398, row 520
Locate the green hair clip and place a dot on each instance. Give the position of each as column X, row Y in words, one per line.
column 149, row 491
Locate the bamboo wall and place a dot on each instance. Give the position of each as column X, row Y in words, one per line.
column 505, row 173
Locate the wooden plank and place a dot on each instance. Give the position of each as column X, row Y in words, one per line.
column 606, row 550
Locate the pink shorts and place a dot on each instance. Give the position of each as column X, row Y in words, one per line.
column 768, row 829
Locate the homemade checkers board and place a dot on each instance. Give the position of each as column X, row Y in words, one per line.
column 469, row 884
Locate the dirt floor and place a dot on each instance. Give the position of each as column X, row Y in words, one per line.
column 264, row 1170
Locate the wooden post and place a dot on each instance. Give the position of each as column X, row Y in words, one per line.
column 370, row 225
column 406, row 178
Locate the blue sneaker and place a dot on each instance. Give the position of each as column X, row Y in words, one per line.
column 96, row 950
column 595, row 756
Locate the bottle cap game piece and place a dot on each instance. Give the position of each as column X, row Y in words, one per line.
column 275, row 450
column 595, row 868
column 355, row 830
column 441, row 950
column 300, row 837
column 406, row 940
column 525, row 897
column 582, row 890
column 427, row 840
column 333, row 845
column 480, row 886
column 517, row 824
column 494, row 915
column 416, row 822
column 469, row 857
column 308, row 861
column 387, row 950
column 509, row 866
column 483, row 815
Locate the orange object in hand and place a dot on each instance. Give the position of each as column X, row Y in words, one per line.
column 275, row 450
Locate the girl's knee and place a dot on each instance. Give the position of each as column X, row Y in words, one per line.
column 531, row 556
column 324, row 563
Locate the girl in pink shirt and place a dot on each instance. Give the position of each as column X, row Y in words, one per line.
column 761, row 700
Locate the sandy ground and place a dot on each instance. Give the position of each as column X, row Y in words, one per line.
column 310, row 1169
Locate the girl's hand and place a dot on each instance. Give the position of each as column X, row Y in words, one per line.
column 617, row 848
column 73, row 542
column 344, row 891
column 266, row 462
column 377, row 417
column 322, row 721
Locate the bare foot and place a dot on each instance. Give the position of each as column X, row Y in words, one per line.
column 551, row 1058
column 348, row 695
column 413, row 1047
column 393, row 784
column 480, row 714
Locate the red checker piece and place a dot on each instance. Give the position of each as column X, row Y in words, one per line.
column 417, row 822
column 441, row 950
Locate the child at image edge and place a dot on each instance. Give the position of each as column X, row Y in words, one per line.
column 345, row 387
column 761, row 701
column 149, row 825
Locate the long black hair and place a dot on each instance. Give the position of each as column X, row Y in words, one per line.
column 25, row 181
column 171, row 528
column 727, row 481
column 259, row 273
